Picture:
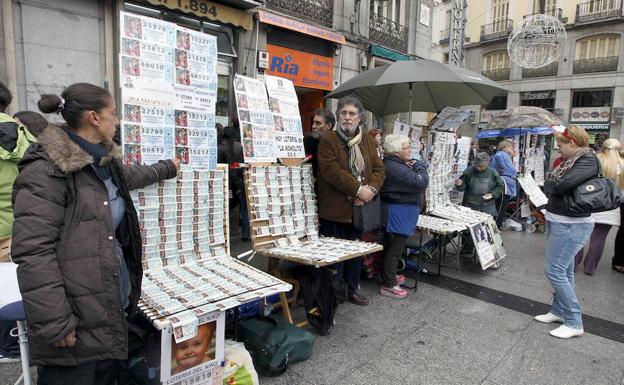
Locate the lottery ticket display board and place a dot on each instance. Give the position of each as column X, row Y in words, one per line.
column 284, row 220
column 168, row 90
column 189, row 279
column 448, row 156
column 270, row 125
column 285, row 108
column 255, row 120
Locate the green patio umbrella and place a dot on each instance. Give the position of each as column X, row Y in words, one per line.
column 419, row 85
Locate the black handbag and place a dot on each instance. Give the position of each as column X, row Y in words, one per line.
column 595, row 195
column 367, row 217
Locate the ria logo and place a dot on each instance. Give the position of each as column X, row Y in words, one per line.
column 284, row 65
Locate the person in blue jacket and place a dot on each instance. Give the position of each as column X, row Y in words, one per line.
column 502, row 162
column 406, row 180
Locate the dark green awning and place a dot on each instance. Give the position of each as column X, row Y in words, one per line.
column 377, row 50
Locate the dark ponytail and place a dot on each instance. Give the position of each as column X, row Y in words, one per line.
column 75, row 100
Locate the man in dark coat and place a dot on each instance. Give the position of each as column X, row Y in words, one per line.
column 322, row 122
column 350, row 173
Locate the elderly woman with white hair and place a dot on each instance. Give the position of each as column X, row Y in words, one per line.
column 406, row 180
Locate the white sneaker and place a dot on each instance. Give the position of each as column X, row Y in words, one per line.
column 548, row 318
column 8, row 360
column 566, row 332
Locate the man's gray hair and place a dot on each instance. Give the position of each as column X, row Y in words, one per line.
column 482, row 158
column 393, row 143
column 354, row 101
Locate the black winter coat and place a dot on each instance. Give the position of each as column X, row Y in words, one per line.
column 559, row 192
column 63, row 241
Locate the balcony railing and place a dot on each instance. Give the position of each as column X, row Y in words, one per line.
column 388, row 33
column 555, row 12
column 598, row 10
column 548, row 70
column 601, row 64
column 318, row 11
column 498, row 74
column 445, row 35
column 496, row 30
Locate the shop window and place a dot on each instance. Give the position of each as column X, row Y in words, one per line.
column 497, row 103
column 591, row 98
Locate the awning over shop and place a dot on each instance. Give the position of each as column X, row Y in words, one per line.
column 514, row 132
column 209, row 10
column 377, row 50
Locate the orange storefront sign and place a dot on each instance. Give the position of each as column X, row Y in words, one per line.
column 302, row 68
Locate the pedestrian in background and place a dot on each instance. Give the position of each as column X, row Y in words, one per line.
column 406, row 180
column 377, row 135
column 15, row 139
column 503, row 164
column 352, row 174
column 77, row 241
column 566, row 231
column 612, row 167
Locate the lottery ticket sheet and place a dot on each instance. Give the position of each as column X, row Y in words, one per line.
column 284, row 221
column 187, row 268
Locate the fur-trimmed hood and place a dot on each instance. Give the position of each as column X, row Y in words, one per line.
column 63, row 153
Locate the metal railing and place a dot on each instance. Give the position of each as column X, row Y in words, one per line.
column 445, row 35
column 548, row 70
column 600, row 64
column 497, row 74
column 318, row 11
column 388, row 33
column 555, row 12
column 496, row 30
column 598, row 10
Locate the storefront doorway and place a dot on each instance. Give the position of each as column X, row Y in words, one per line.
column 309, row 101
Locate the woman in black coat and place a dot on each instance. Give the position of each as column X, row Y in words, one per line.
column 406, row 180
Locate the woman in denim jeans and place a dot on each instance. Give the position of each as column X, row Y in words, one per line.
column 567, row 232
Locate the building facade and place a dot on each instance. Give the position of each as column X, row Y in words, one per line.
column 583, row 87
column 46, row 45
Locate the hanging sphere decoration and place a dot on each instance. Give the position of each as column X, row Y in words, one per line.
column 538, row 42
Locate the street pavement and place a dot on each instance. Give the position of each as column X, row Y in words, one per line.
column 437, row 336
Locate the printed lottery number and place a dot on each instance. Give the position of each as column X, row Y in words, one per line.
column 197, row 116
column 151, row 131
column 152, row 150
column 152, row 111
column 152, row 66
column 196, row 151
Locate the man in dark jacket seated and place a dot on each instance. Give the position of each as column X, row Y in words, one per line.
column 406, row 180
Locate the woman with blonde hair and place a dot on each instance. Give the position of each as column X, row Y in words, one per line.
column 612, row 167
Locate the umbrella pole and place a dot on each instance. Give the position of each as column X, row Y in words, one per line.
column 410, row 102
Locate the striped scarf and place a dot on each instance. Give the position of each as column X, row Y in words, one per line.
column 356, row 160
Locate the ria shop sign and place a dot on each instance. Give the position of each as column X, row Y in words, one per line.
column 302, row 68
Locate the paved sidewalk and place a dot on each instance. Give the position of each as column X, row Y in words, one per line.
column 437, row 336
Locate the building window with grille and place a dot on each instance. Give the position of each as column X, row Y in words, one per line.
column 597, row 54
column 496, row 65
column 500, row 14
column 549, row 6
